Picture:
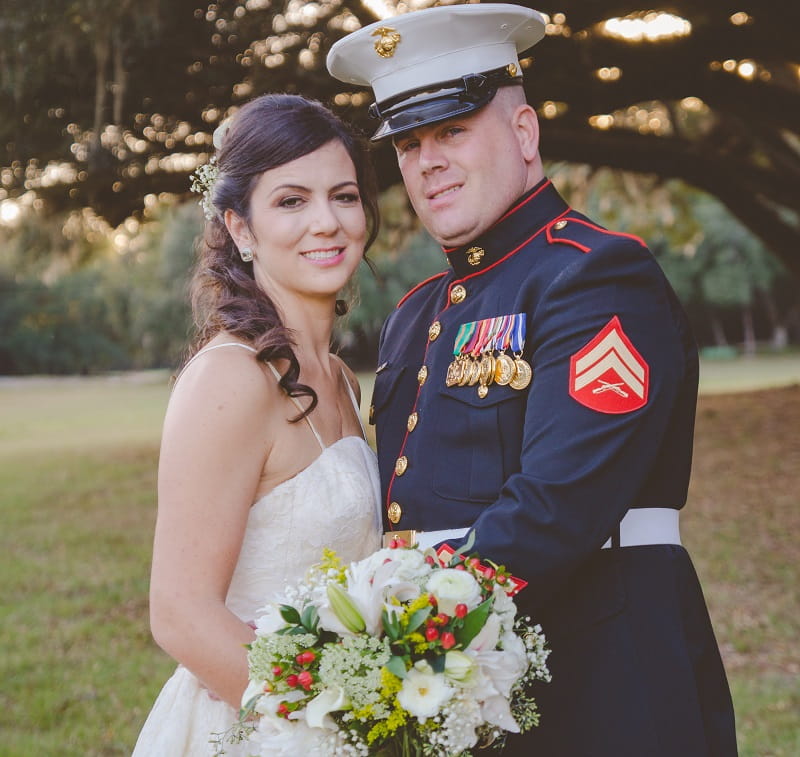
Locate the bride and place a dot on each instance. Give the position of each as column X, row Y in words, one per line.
column 263, row 459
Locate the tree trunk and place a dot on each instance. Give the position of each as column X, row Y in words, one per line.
column 780, row 333
column 101, row 54
column 120, row 78
column 717, row 330
column 749, row 331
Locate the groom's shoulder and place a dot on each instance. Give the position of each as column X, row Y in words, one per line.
column 422, row 286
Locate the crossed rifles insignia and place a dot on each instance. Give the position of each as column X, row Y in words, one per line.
column 608, row 374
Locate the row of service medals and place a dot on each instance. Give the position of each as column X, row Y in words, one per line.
column 490, row 352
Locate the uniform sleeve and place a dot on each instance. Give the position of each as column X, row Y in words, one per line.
column 581, row 468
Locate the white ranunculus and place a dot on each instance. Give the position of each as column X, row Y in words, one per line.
column 328, row 700
column 460, row 667
column 423, row 692
column 453, row 587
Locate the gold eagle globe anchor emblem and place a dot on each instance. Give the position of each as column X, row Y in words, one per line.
column 388, row 41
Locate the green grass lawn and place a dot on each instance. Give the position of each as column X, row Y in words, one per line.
column 78, row 458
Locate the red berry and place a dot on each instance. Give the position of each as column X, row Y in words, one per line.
column 431, row 633
column 306, row 658
column 448, row 640
column 442, row 618
column 291, row 681
column 489, row 573
column 501, row 579
column 460, row 566
column 429, row 559
column 474, row 563
column 401, row 543
column 461, row 610
column 393, row 544
column 305, row 679
column 283, row 710
column 277, row 670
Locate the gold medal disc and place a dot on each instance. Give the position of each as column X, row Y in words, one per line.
column 503, row 369
column 453, row 373
column 474, row 372
column 483, row 390
column 522, row 375
column 487, row 370
column 466, row 362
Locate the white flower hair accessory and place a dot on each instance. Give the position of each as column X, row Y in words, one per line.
column 204, row 176
column 203, row 180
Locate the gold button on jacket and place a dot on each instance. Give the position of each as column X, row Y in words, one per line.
column 395, row 512
column 458, row 294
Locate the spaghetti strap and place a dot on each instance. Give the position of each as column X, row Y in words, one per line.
column 355, row 404
column 208, row 349
column 299, row 407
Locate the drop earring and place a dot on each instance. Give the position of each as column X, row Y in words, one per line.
column 246, row 254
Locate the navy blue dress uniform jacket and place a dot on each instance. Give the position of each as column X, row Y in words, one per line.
column 544, row 476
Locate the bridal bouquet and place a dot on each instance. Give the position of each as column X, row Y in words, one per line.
column 402, row 653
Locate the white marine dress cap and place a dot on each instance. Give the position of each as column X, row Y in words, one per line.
column 430, row 65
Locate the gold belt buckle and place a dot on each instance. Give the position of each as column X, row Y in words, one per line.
column 409, row 536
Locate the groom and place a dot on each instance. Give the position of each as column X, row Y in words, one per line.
column 541, row 391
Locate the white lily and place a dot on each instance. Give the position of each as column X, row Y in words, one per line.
column 328, row 700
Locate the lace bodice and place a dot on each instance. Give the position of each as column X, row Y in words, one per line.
column 332, row 503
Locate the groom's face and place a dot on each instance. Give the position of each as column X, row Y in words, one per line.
column 464, row 173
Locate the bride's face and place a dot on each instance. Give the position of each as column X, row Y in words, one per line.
column 308, row 225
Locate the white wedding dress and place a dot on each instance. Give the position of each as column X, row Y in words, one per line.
column 332, row 503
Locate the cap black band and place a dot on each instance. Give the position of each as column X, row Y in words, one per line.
column 450, row 98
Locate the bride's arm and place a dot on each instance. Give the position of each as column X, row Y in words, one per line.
column 213, row 451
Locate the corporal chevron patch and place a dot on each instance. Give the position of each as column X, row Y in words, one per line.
column 608, row 374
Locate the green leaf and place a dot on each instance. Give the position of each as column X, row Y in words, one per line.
column 290, row 615
column 397, row 666
column 473, row 622
column 309, row 618
column 418, row 618
column 391, row 625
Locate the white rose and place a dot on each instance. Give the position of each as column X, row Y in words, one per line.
column 423, row 692
column 453, row 587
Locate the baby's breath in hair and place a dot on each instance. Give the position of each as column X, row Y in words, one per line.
column 203, row 180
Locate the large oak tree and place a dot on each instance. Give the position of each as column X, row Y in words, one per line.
column 104, row 102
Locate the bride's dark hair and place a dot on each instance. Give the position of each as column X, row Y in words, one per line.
column 266, row 133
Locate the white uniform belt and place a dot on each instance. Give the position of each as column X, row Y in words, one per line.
column 424, row 539
column 648, row 525
column 639, row 527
